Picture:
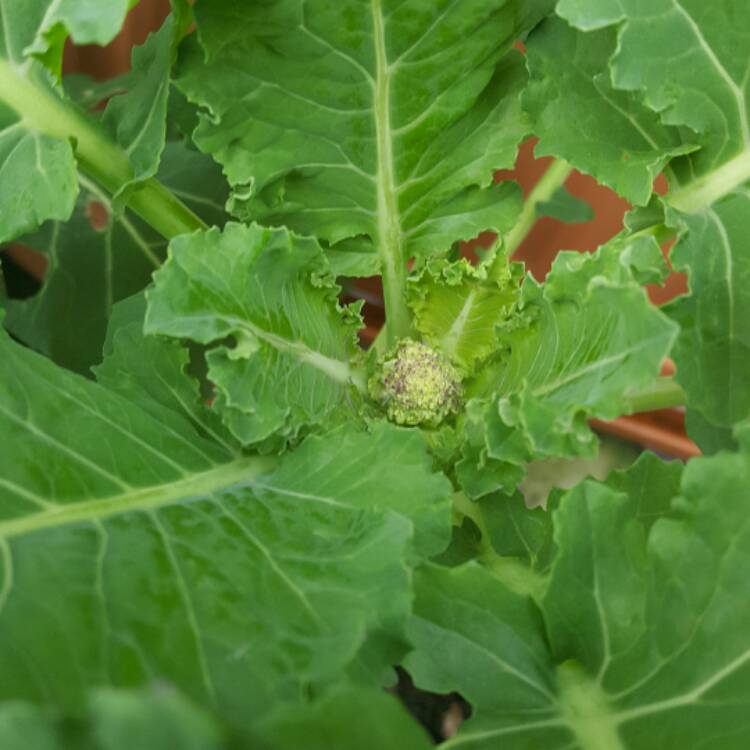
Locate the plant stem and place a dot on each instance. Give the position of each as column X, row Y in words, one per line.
column 390, row 237
column 512, row 572
column 97, row 155
column 663, row 393
column 551, row 180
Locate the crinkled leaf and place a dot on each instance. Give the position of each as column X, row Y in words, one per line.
column 459, row 307
column 382, row 120
column 152, row 371
column 582, row 118
column 592, row 338
column 242, row 592
column 639, row 642
column 270, row 291
column 713, row 348
column 346, row 717
column 89, row 269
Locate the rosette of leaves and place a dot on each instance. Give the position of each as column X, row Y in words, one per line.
column 215, row 537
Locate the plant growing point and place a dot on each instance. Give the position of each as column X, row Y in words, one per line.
column 417, row 384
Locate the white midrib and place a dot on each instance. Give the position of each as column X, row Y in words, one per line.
column 450, row 341
column 390, row 237
column 335, row 369
column 701, row 193
column 195, row 486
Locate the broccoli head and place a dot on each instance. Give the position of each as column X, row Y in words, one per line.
column 417, row 385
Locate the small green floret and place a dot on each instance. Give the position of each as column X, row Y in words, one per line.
column 417, row 385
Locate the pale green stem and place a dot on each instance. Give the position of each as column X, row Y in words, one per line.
column 663, row 393
column 390, row 236
column 550, row 181
column 98, row 156
column 512, row 572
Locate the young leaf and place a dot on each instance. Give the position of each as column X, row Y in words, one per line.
column 263, row 591
column 592, row 337
column 458, row 308
column 99, row 257
column 387, row 127
column 270, row 291
column 647, row 647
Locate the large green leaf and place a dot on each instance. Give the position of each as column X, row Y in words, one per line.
column 713, row 348
column 133, row 548
column 412, row 491
column 90, row 268
column 272, row 293
column 582, row 118
column 591, row 338
column 639, row 642
column 381, row 120
column 697, row 85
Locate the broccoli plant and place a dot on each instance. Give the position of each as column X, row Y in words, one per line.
column 225, row 521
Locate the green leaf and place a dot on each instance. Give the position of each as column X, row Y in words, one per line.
column 387, row 126
column 591, row 338
column 459, row 307
column 650, row 484
column 271, row 292
column 414, row 492
column 24, row 726
column 38, row 178
column 39, row 28
column 138, row 118
column 564, row 206
column 518, row 531
column 37, row 171
column 579, row 116
column 696, row 82
column 90, row 268
column 153, row 372
column 263, row 592
column 346, row 717
column 149, row 719
column 713, row 348
column 638, row 642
